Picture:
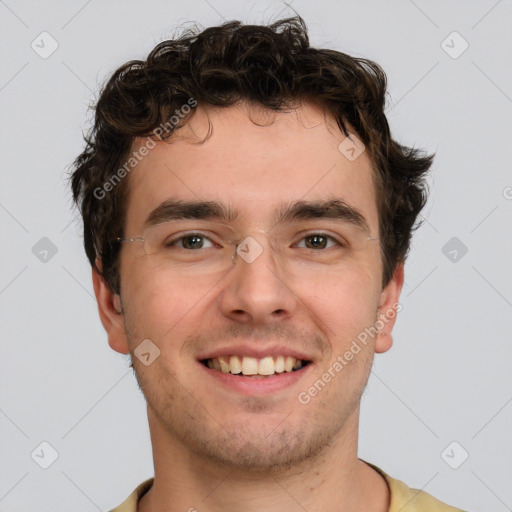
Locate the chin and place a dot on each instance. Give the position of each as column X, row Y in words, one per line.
column 262, row 454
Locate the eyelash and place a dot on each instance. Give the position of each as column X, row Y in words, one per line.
column 173, row 242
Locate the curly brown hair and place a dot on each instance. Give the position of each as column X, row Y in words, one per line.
column 273, row 66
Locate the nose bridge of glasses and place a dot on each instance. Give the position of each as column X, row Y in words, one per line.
column 253, row 244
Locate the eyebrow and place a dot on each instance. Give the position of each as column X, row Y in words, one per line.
column 174, row 209
column 336, row 209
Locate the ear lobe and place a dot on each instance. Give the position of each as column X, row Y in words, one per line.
column 388, row 310
column 110, row 311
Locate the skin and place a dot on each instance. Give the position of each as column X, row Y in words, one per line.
column 213, row 448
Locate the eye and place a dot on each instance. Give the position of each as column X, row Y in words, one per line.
column 191, row 241
column 318, row 241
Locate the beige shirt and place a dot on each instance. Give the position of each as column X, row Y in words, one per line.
column 403, row 498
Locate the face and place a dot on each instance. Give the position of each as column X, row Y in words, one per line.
column 302, row 286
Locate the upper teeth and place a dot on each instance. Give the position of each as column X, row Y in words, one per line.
column 253, row 366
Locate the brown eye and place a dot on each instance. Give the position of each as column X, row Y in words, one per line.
column 316, row 242
column 192, row 241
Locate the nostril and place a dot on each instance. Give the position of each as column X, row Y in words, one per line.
column 240, row 313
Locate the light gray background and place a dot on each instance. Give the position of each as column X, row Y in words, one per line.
column 448, row 377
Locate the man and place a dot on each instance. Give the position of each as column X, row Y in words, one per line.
column 247, row 216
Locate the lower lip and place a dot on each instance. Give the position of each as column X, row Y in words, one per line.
column 252, row 386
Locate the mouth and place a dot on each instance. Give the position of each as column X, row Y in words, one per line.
column 253, row 367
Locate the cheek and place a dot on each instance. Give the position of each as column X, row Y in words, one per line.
column 166, row 309
column 153, row 306
column 345, row 303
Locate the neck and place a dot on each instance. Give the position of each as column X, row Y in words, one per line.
column 333, row 481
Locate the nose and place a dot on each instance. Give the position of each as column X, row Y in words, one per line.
column 256, row 289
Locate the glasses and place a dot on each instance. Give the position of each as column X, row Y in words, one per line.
column 199, row 247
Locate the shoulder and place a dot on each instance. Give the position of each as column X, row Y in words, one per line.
column 403, row 498
column 406, row 499
column 130, row 504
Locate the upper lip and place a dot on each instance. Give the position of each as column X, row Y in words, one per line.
column 257, row 352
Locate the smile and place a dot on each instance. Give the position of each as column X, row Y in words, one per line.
column 246, row 366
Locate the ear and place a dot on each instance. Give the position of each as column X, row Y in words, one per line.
column 110, row 310
column 388, row 310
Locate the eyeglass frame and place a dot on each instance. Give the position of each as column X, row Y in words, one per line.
column 237, row 244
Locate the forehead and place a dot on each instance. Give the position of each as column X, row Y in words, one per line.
column 253, row 160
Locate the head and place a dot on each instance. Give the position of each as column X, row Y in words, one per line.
column 251, row 118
